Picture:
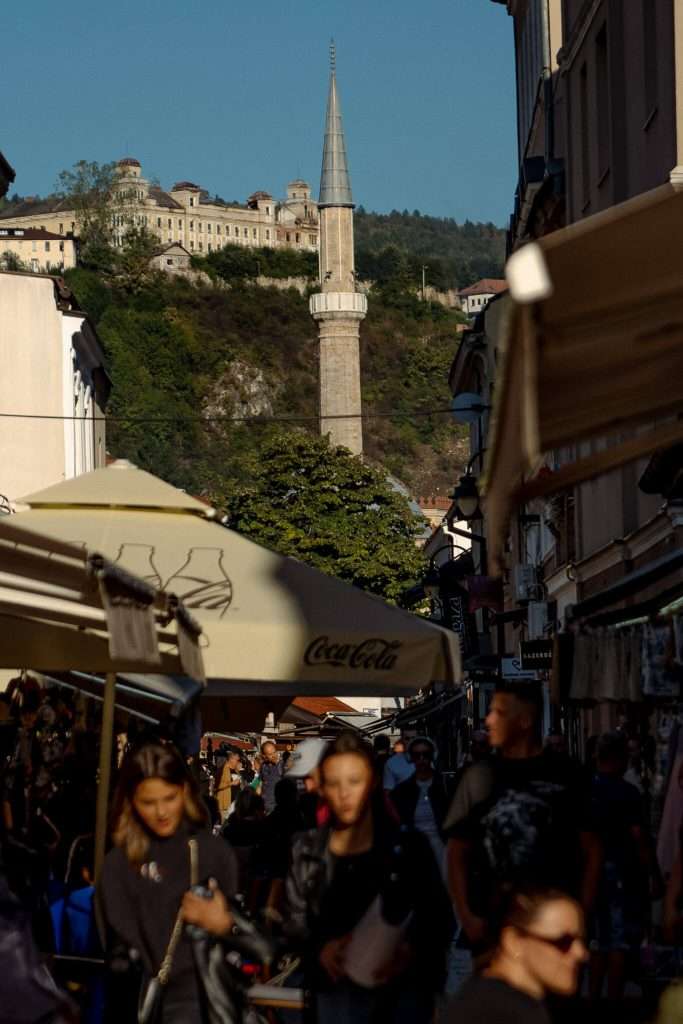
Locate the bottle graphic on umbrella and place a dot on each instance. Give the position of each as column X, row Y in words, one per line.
column 201, row 581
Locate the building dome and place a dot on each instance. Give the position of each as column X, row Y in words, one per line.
column 181, row 186
column 129, row 161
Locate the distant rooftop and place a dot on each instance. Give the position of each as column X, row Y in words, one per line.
column 487, row 286
column 129, row 161
column 31, row 233
column 183, row 185
column 30, row 207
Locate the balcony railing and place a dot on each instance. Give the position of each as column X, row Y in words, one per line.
column 338, row 302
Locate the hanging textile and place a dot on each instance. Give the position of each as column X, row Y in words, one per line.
column 607, row 665
column 672, row 815
column 661, row 676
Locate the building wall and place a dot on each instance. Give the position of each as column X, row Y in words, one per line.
column 42, row 375
column 40, row 254
column 200, row 226
column 31, row 451
column 618, row 71
column 473, row 304
column 618, row 68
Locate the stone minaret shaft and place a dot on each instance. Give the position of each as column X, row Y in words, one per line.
column 338, row 308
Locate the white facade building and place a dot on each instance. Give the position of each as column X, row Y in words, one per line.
column 187, row 215
column 54, row 383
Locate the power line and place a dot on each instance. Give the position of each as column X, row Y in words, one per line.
column 208, row 420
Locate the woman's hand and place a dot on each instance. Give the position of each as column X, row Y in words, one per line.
column 212, row 915
column 332, row 957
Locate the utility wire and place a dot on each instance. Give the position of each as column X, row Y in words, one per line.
column 227, row 419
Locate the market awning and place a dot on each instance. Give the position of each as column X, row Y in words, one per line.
column 593, row 351
column 66, row 607
column 270, row 624
column 63, row 607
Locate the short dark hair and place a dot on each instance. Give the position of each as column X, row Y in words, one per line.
column 381, row 743
column 422, row 741
column 248, row 804
column 527, row 692
column 612, row 746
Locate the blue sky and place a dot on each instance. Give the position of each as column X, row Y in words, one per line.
column 232, row 96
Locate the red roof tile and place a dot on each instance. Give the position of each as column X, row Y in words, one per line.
column 487, row 286
column 321, row 705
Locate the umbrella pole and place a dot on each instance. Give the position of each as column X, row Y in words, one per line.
column 106, row 744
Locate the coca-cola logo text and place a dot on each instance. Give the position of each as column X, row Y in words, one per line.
column 373, row 653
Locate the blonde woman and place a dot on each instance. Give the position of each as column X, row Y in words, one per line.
column 157, row 810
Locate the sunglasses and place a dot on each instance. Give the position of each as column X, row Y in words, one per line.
column 563, row 943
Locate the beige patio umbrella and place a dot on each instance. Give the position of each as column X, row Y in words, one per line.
column 65, row 608
column 271, row 625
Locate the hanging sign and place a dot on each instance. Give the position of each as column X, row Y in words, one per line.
column 536, row 654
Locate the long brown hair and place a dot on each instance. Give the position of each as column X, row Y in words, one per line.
column 151, row 761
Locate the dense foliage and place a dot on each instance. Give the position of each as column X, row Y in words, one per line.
column 178, row 350
column 329, row 509
column 455, row 255
column 234, row 262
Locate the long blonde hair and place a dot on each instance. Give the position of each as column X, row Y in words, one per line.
column 151, row 761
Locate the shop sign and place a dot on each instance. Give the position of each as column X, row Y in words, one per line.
column 536, row 654
column 511, row 668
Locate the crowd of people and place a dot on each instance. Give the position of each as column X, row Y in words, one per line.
column 365, row 862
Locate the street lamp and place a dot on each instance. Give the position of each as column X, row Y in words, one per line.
column 432, row 580
column 466, row 493
column 466, row 498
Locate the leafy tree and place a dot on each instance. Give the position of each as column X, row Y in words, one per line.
column 324, row 506
column 456, row 254
column 90, row 188
column 131, row 263
column 12, row 261
column 234, row 262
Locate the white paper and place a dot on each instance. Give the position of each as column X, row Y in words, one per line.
column 373, row 945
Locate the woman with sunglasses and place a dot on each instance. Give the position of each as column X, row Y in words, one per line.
column 539, row 951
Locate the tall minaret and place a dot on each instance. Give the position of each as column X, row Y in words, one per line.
column 338, row 308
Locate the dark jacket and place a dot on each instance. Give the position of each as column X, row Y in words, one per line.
column 270, row 776
column 409, row 869
column 404, row 797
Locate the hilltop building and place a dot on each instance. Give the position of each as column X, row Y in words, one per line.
column 477, row 296
column 187, row 215
column 339, row 307
column 37, row 249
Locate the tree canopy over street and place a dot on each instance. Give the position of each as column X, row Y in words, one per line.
column 325, row 507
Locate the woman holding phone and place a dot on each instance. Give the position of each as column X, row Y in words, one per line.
column 161, row 838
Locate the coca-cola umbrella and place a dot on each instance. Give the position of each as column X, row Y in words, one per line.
column 271, row 625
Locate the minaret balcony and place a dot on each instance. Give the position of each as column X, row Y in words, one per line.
column 326, row 303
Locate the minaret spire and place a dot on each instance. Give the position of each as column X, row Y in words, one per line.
column 335, row 183
column 338, row 308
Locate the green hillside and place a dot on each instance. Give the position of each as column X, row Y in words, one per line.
column 455, row 255
column 180, row 350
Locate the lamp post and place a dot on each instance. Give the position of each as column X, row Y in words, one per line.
column 466, row 500
column 432, row 580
